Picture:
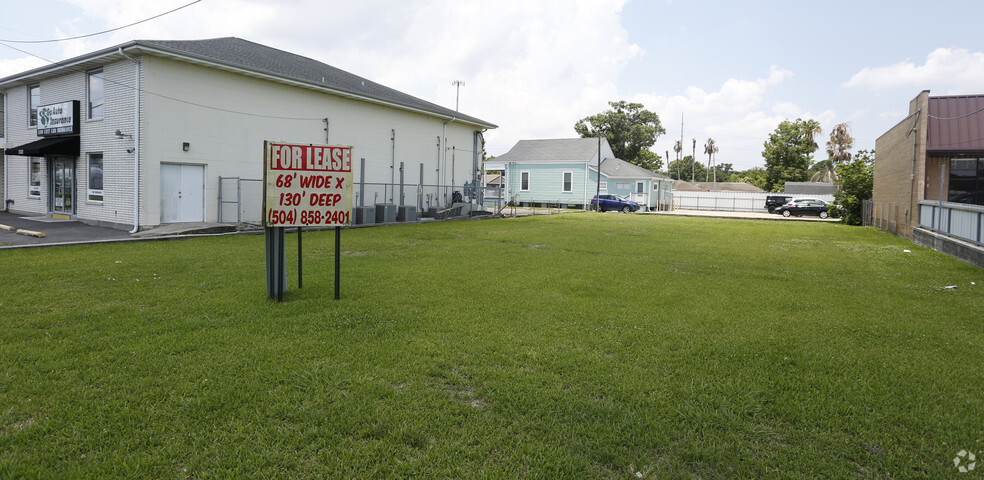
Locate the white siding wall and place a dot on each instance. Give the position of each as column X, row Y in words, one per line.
column 97, row 136
column 18, row 167
column 227, row 143
column 231, row 144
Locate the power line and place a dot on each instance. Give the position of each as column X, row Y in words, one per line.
column 955, row 118
column 141, row 90
column 104, row 31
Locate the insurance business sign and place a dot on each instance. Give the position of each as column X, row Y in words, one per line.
column 306, row 185
column 59, row 119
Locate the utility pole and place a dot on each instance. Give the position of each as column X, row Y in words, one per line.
column 457, row 90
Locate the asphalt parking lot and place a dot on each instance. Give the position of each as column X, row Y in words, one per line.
column 55, row 231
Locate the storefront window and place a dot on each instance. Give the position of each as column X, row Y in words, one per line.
column 34, row 188
column 95, row 177
column 967, row 180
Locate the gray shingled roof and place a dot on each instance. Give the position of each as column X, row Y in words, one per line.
column 237, row 53
column 556, row 150
column 615, row 168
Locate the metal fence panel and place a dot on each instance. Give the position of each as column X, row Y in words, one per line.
column 729, row 201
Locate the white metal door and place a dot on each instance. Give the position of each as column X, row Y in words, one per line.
column 182, row 193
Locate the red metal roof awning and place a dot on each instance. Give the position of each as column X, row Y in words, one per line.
column 68, row 146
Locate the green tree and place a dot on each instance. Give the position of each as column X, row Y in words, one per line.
column 686, row 169
column 855, row 180
column 789, row 152
column 724, row 172
column 753, row 176
column 630, row 130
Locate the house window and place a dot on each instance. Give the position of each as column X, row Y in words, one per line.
column 640, row 187
column 33, row 102
column 95, row 89
column 524, row 181
column 568, row 181
column 967, row 180
column 95, row 177
column 34, row 185
column 623, row 186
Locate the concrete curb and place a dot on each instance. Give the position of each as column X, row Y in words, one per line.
column 30, row 233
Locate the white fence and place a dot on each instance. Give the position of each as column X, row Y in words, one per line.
column 729, row 201
column 963, row 221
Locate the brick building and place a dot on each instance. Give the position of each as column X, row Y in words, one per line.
column 929, row 175
column 140, row 134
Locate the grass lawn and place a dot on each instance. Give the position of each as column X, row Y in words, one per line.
column 564, row 346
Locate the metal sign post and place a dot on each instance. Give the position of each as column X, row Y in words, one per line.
column 303, row 185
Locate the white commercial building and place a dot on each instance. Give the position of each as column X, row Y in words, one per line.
column 139, row 134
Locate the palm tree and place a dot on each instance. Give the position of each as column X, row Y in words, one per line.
column 837, row 150
column 710, row 148
column 840, row 142
column 693, row 156
column 812, row 130
column 678, row 147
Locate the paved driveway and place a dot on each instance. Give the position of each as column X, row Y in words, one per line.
column 55, row 231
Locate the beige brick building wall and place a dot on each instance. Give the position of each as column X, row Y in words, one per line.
column 900, row 178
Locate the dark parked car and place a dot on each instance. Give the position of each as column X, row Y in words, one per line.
column 803, row 206
column 614, row 202
column 772, row 202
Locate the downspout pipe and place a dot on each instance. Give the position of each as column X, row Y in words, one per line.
column 444, row 171
column 6, row 119
column 912, row 173
column 136, row 142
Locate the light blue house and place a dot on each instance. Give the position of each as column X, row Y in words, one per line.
column 564, row 173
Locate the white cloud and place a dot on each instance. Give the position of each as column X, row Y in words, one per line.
column 18, row 65
column 533, row 68
column 950, row 69
column 739, row 116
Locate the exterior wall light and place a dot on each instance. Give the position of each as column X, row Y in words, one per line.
column 185, row 146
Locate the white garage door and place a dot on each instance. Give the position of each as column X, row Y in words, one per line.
column 182, row 193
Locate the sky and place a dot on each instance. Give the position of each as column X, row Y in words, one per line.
column 731, row 70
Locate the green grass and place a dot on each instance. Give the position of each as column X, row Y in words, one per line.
column 563, row 346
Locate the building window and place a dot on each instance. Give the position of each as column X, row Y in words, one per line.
column 34, row 187
column 623, row 186
column 95, row 177
column 524, row 181
column 568, row 181
column 33, row 102
column 640, row 187
column 967, row 180
column 95, row 89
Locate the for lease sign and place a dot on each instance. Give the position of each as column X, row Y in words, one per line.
column 306, row 185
